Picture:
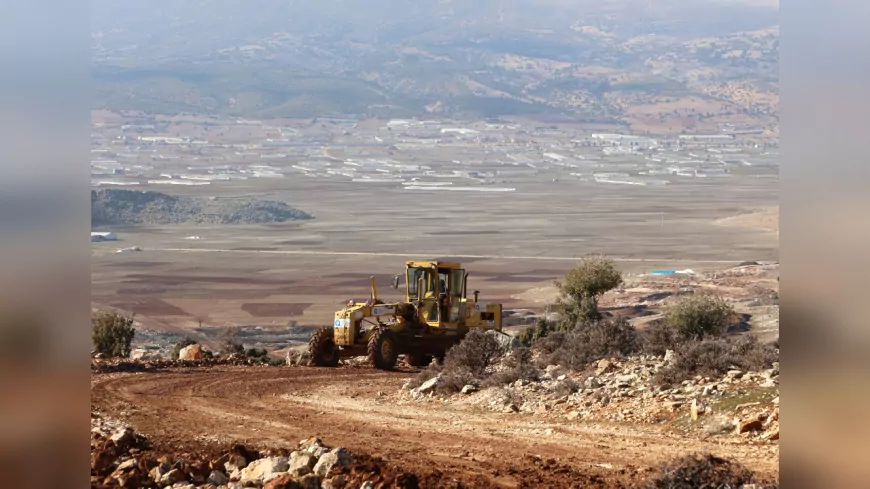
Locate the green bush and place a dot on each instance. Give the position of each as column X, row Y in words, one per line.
column 583, row 286
column 700, row 315
column 256, row 353
column 535, row 332
column 112, row 333
column 184, row 343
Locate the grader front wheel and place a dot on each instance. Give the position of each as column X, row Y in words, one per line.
column 383, row 349
column 322, row 347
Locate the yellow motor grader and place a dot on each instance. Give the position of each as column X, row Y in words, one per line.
column 435, row 315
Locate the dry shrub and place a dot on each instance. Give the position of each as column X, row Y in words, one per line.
column 517, row 366
column 702, row 471
column 548, row 345
column 472, row 361
column 714, row 357
column 605, row 338
column 475, row 353
column 658, row 338
column 230, row 343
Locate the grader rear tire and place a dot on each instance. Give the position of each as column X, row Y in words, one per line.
column 383, row 349
column 418, row 360
column 322, row 347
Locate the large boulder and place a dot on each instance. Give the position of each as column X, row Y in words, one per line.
column 264, row 469
column 301, row 463
column 140, row 354
column 192, row 352
column 338, row 457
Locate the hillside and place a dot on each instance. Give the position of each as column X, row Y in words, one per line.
column 591, row 61
column 124, row 207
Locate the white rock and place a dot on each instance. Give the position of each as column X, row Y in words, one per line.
column 301, row 463
column 468, row 389
column 264, row 469
column 367, row 485
column 338, row 457
column 218, row 478
column 139, row 354
column 192, row 352
column 428, row 386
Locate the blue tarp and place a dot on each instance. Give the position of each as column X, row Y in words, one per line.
column 662, row 272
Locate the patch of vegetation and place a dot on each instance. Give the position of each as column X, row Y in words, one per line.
column 715, row 357
column 703, row 470
column 517, row 365
column 230, row 343
column 577, row 302
column 112, row 333
column 658, row 338
column 583, row 286
column 120, row 206
column 471, row 362
column 605, row 338
column 700, row 315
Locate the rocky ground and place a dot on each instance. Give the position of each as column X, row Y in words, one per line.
column 122, row 458
column 195, row 412
column 738, row 407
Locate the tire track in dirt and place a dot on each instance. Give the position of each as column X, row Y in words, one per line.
column 357, row 407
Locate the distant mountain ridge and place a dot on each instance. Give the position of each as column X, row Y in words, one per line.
column 400, row 58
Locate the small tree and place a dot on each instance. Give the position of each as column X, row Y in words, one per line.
column 230, row 344
column 112, row 333
column 700, row 315
column 583, row 286
column 184, row 343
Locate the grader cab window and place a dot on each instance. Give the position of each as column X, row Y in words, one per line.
column 414, row 275
column 457, row 279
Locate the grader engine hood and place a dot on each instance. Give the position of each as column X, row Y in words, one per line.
column 351, row 321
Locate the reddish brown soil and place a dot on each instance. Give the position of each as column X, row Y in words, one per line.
column 357, row 407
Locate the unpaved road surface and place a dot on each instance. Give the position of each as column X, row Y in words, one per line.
column 359, row 408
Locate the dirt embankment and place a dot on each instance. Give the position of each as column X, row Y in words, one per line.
column 362, row 409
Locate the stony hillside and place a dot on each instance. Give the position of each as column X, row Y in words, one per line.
column 121, row 207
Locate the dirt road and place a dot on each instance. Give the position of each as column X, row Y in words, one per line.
column 358, row 408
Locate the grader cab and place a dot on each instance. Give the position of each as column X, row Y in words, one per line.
column 436, row 313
